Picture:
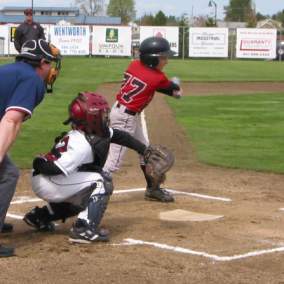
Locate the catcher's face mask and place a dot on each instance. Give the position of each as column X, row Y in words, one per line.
column 54, row 70
column 90, row 112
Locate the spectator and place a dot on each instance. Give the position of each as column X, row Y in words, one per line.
column 28, row 30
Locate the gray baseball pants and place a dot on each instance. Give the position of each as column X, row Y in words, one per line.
column 9, row 175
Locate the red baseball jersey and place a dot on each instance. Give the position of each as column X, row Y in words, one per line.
column 139, row 85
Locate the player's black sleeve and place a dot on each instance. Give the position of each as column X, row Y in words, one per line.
column 41, row 32
column 18, row 38
column 169, row 91
column 41, row 166
column 125, row 139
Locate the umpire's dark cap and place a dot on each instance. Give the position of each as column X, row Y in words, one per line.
column 36, row 50
column 28, row 11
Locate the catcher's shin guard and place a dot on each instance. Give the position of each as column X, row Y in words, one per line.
column 96, row 209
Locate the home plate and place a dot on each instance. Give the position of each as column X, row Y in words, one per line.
column 184, row 215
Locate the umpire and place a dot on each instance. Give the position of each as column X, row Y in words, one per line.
column 22, row 88
column 28, row 30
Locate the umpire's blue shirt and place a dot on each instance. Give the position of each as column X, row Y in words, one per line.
column 21, row 88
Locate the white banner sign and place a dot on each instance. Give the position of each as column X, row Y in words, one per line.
column 71, row 40
column 111, row 40
column 4, row 34
column 256, row 43
column 169, row 33
column 7, row 31
column 208, row 42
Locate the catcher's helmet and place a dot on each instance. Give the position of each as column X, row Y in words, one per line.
column 33, row 51
column 152, row 48
column 89, row 112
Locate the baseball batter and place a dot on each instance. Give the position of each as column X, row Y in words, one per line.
column 141, row 80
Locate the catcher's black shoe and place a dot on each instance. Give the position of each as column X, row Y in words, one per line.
column 6, row 251
column 33, row 219
column 159, row 194
column 83, row 233
column 7, row 228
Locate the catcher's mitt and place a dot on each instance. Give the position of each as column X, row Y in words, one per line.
column 158, row 160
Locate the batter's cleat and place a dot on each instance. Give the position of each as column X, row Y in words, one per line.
column 83, row 233
column 159, row 194
column 6, row 251
column 7, row 228
column 34, row 220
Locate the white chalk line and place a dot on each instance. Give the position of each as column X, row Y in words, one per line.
column 281, row 209
column 177, row 249
column 27, row 199
column 14, row 216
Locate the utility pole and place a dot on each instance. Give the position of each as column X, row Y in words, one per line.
column 211, row 4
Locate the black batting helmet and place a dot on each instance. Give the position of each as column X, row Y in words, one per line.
column 152, row 48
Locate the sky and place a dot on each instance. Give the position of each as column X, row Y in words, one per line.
column 169, row 7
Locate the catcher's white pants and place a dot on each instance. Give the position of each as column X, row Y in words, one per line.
column 71, row 188
column 129, row 123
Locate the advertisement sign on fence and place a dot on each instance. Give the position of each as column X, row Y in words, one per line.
column 170, row 33
column 208, row 42
column 256, row 43
column 4, row 36
column 111, row 41
column 71, row 40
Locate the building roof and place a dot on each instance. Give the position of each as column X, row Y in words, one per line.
column 231, row 25
column 80, row 19
column 269, row 23
column 76, row 18
column 18, row 8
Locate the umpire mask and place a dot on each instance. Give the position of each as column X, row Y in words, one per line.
column 33, row 51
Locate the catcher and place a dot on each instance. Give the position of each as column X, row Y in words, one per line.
column 70, row 176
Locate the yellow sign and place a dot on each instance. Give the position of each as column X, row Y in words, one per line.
column 12, row 33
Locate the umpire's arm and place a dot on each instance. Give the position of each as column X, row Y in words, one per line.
column 18, row 39
column 10, row 126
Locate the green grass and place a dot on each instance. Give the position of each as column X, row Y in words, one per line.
column 243, row 131
column 81, row 74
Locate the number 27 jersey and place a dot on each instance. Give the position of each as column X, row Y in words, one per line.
column 139, row 85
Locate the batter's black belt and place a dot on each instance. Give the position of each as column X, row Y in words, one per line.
column 126, row 110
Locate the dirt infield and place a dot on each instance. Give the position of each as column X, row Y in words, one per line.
column 245, row 246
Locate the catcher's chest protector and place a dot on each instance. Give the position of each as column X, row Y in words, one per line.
column 100, row 148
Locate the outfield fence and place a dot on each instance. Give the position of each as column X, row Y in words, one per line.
column 187, row 42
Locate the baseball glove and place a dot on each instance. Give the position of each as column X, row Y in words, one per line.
column 158, row 160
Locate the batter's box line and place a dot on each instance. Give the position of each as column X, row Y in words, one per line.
column 27, row 199
column 131, row 242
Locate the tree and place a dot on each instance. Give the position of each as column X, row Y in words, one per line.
column 238, row 10
column 160, row 19
column 125, row 9
column 210, row 22
column 91, row 7
column 172, row 21
column 279, row 17
column 147, row 20
column 260, row 17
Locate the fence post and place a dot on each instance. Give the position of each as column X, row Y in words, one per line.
column 183, row 45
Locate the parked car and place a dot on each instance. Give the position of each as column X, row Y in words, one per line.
column 280, row 51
